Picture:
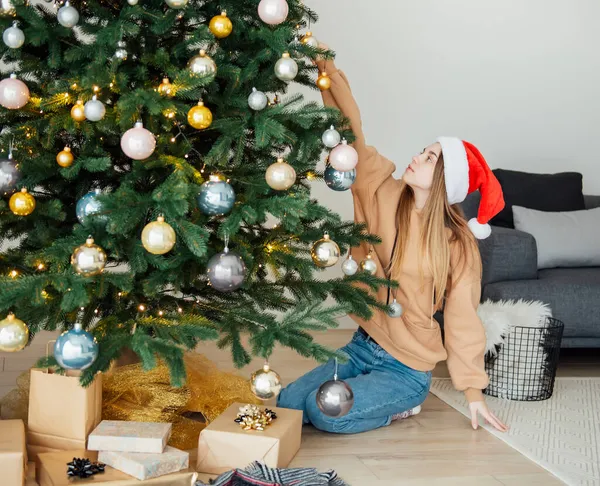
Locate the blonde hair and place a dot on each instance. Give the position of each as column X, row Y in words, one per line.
column 447, row 245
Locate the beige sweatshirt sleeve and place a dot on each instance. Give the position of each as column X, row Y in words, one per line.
column 464, row 333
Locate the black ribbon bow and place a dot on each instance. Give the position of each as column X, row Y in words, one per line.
column 84, row 468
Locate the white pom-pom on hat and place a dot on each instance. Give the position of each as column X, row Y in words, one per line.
column 481, row 231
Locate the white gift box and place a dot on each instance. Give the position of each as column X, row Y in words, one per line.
column 146, row 466
column 122, row 436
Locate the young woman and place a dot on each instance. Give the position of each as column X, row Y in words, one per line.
column 430, row 250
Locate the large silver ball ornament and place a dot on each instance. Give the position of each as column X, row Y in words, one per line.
column 335, row 398
column 350, row 266
column 13, row 37
column 67, row 15
column 88, row 259
column 9, row 175
column 286, row 68
column 216, row 196
column 265, row 383
column 395, row 309
column 226, row 271
column 338, row 180
column 331, row 137
column 257, row 100
column 94, row 109
column 368, row 265
column 76, row 349
column 325, row 252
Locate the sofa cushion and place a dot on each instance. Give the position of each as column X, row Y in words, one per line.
column 544, row 192
column 563, row 239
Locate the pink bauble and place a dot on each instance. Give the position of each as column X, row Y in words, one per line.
column 14, row 93
column 273, row 12
column 343, row 157
column 138, row 143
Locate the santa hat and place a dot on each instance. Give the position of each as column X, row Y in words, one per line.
column 466, row 171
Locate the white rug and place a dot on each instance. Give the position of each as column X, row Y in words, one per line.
column 561, row 434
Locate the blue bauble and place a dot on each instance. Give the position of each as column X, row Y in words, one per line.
column 216, row 197
column 338, row 180
column 76, row 349
column 89, row 205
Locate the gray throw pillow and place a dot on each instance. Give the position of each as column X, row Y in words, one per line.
column 564, row 239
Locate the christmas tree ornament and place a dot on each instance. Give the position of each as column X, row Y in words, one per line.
column 338, row 180
column 286, row 68
column 121, row 52
column 14, row 334
column 395, row 309
column 88, row 259
column 221, row 26
column 158, row 237
column 22, row 203
column 67, row 15
column 13, row 37
column 309, row 39
column 325, row 252
column 94, row 109
column 89, row 205
column 343, row 157
column 138, row 143
column 216, row 196
column 324, row 81
column 331, row 137
column 350, row 266
column 257, row 100
column 165, row 88
column 76, row 349
column 176, row 4
column 78, row 111
column 335, row 398
column 9, row 175
column 226, row 271
column 265, row 383
column 200, row 117
column 132, row 2
column 368, row 265
column 202, row 65
column 14, row 93
column 65, row 158
column 280, row 175
column 273, row 12
column 7, row 8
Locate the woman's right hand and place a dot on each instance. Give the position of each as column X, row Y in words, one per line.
column 322, row 63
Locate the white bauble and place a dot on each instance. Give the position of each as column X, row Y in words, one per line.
column 13, row 37
column 94, row 109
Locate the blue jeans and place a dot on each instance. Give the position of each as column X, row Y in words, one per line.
column 382, row 387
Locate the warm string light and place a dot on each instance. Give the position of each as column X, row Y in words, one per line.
column 161, row 313
column 41, row 266
column 14, row 274
column 141, row 307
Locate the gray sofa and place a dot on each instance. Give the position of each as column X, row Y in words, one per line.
column 510, row 271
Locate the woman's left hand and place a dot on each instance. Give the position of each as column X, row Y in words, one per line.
column 481, row 408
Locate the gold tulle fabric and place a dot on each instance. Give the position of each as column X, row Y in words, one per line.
column 130, row 393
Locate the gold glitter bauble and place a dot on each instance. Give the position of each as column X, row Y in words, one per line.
column 22, row 203
column 158, row 237
column 77, row 112
column 265, row 383
column 88, row 259
column 221, row 26
column 325, row 252
column 14, row 334
column 200, row 117
column 65, row 157
column 324, row 81
column 166, row 88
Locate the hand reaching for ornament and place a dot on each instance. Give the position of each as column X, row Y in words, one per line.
column 481, row 408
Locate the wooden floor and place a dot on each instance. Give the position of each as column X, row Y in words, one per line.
column 437, row 447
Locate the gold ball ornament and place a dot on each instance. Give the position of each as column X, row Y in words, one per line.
column 309, row 40
column 78, row 112
column 280, row 175
column 221, row 26
column 65, row 157
column 14, row 334
column 325, row 252
column 265, row 383
column 22, row 203
column 158, row 237
column 200, row 117
column 368, row 265
column 202, row 65
column 166, row 88
column 324, row 81
column 88, row 259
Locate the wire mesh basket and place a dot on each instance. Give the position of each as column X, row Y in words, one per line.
column 525, row 366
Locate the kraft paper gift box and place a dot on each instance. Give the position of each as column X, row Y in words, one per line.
column 146, row 466
column 13, row 455
column 124, row 436
column 224, row 445
column 51, row 470
column 61, row 412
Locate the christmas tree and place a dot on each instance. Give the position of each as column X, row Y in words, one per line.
column 156, row 171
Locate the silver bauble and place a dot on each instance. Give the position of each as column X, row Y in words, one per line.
column 257, row 100
column 94, row 109
column 331, row 137
column 350, row 266
column 286, row 68
column 202, row 65
column 9, row 175
column 14, row 334
column 132, row 2
column 325, row 252
column 226, row 271
column 216, row 196
column 13, row 37
column 368, row 265
column 338, row 180
column 88, row 259
column 76, row 349
column 265, row 383
column 121, row 52
column 335, row 398
column 395, row 309
column 67, row 15
column 89, row 205
column 176, row 4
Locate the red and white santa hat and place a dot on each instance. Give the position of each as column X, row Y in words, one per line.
column 466, row 171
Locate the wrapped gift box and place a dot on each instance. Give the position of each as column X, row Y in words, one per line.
column 224, row 445
column 51, row 470
column 146, row 466
column 13, row 455
column 123, row 436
